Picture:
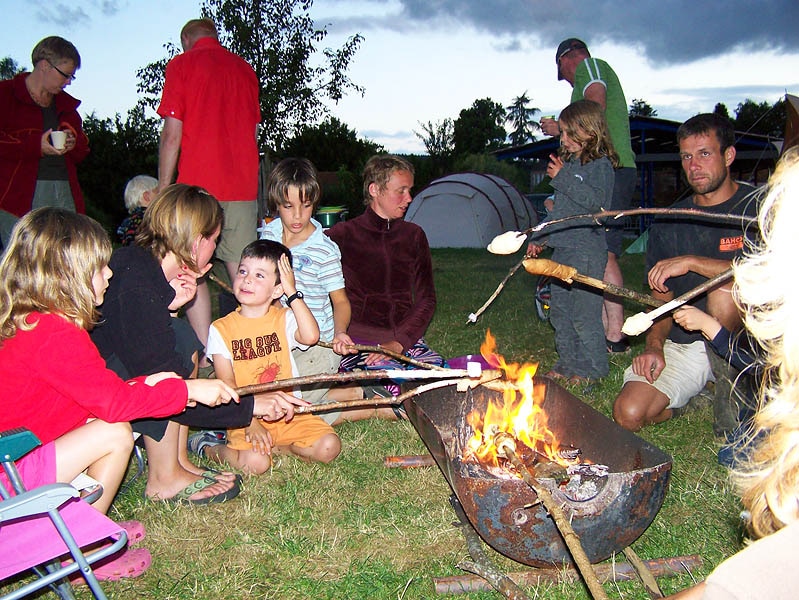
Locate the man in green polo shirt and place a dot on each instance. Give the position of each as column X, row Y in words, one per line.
column 593, row 79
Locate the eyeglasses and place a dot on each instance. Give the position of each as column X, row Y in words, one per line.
column 70, row 77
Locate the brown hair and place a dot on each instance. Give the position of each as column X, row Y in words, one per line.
column 48, row 267
column 293, row 172
column 196, row 29
column 55, row 49
column 175, row 219
column 584, row 122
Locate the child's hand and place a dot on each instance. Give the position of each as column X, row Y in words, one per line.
column 534, row 249
column 554, row 166
column 343, row 344
column 286, row 275
column 259, row 437
column 273, row 406
column 694, row 319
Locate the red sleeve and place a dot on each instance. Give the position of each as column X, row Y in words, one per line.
column 80, row 375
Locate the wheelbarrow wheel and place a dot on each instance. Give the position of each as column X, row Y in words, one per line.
column 543, row 294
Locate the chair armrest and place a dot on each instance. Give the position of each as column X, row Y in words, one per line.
column 16, row 443
column 36, row 502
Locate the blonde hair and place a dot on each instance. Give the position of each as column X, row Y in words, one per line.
column 584, row 122
column 176, row 218
column 135, row 189
column 48, row 267
column 379, row 169
column 768, row 296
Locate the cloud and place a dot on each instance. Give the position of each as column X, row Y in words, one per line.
column 666, row 32
column 75, row 14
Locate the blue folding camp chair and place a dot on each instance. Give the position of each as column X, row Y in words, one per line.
column 42, row 526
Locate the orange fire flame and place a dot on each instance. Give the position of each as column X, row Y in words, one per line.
column 519, row 413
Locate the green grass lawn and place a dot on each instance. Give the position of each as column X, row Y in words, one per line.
column 355, row 529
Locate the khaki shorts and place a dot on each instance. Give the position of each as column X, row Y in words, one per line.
column 302, row 431
column 241, row 218
column 314, row 361
column 686, row 373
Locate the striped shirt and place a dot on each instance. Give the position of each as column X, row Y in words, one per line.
column 317, row 270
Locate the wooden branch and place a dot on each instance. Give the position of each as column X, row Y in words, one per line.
column 482, row 566
column 640, row 322
column 475, row 315
column 543, row 266
column 619, row 214
column 220, row 283
column 506, row 447
column 605, row 572
column 396, row 400
column 280, row 384
column 647, row 579
column 411, row 461
column 379, row 349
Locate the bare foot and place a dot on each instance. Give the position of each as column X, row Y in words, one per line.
column 167, row 488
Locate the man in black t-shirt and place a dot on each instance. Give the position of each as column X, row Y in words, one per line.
column 681, row 254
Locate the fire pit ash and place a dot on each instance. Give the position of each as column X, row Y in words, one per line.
column 609, row 481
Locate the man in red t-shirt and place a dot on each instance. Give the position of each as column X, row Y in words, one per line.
column 211, row 113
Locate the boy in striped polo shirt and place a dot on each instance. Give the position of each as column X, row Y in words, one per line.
column 293, row 194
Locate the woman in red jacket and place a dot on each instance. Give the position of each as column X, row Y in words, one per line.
column 34, row 171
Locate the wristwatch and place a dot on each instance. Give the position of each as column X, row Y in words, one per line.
column 293, row 297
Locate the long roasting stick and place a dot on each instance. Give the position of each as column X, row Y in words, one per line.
column 543, row 266
column 397, row 400
column 506, row 447
column 640, row 322
column 282, row 384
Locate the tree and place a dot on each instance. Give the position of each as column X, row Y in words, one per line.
column 119, row 150
column 479, row 129
column 763, row 118
column 522, row 119
column 331, row 146
column 641, row 108
column 721, row 110
column 9, row 68
column 438, row 139
column 279, row 39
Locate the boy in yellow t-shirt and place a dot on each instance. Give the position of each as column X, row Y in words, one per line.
column 253, row 345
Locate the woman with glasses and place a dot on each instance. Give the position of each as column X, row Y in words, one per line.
column 38, row 168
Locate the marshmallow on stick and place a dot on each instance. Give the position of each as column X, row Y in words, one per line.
column 640, row 322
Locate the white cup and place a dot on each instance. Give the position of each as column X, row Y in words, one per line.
column 58, row 139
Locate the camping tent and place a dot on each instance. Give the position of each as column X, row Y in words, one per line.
column 467, row 210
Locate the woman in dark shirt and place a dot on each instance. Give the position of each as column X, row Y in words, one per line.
column 139, row 335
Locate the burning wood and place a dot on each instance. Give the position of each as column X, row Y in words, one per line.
column 519, row 417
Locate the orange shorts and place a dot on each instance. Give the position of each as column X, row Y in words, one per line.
column 302, row 431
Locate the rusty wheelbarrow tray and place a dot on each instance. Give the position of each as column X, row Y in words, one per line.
column 505, row 512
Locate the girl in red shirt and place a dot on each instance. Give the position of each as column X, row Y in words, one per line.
column 53, row 380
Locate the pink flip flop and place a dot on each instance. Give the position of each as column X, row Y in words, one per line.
column 135, row 530
column 129, row 563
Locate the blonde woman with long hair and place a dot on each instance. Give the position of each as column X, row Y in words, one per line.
column 768, row 482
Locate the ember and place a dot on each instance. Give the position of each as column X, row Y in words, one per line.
column 518, row 413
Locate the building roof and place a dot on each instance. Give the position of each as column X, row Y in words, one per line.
column 655, row 141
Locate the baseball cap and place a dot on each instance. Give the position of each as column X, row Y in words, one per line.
column 567, row 46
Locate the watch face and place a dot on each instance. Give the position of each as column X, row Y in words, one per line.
column 300, row 295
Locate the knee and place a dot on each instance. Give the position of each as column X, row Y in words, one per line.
column 121, row 436
column 327, row 448
column 627, row 412
column 254, row 463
